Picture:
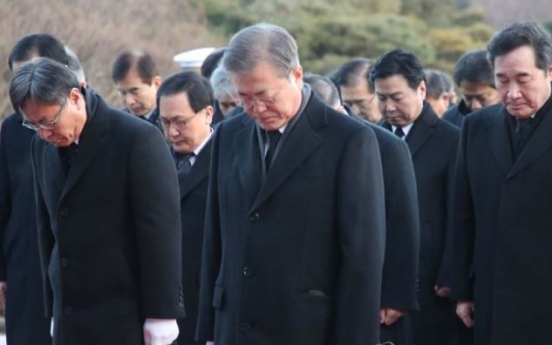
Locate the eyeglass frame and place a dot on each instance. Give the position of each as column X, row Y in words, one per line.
column 44, row 126
column 179, row 124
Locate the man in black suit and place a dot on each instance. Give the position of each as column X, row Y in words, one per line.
column 502, row 237
column 186, row 112
column 20, row 276
column 295, row 223
column 137, row 79
column 398, row 80
column 107, row 213
column 352, row 79
column 400, row 269
column 474, row 77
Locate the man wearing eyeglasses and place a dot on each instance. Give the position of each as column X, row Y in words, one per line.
column 137, row 79
column 20, row 275
column 107, row 213
column 352, row 80
column 295, row 224
column 186, row 112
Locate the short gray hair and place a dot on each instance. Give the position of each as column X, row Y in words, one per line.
column 42, row 80
column 324, row 88
column 261, row 42
column 222, row 82
column 75, row 65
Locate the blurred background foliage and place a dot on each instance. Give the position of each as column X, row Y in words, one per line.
column 333, row 31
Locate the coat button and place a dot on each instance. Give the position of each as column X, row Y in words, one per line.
column 254, row 217
column 64, row 212
column 68, row 310
column 245, row 327
column 64, row 262
column 247, row 271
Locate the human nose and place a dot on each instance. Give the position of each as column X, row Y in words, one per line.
column 513, row 91
column 128, row 99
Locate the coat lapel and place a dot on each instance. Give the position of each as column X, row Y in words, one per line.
column 53, row 167
column 300, row 143
column 198, row 173
column 423, row 128
column 538, row 144
column 92, row 140
column 498, row 140
column 248, row 159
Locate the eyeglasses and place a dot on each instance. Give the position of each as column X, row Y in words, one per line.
column 178, row 123
column 363, row 103
column 251, row 101
column 47, row 125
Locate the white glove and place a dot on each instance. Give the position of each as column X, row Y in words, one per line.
column 52, row 328
column 160, row 331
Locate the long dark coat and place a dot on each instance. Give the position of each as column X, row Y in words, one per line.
column 456, row 114
column 20, row 265
column 109, row 233
column 193, row 199
column 295, row 259
column 402, row 238
column 503, row 255
column 433, row 145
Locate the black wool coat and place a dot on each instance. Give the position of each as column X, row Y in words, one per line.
column 503, row 235
column 294, row 257
column 19, row 259
column 110, row 232
column 433, row 145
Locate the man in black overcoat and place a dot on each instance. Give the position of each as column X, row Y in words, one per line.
column 20, row 267
column 185, row 106
column 398, row 78
column 402, row 237
column 502, row 255
column 107, row 213
column 295, row 224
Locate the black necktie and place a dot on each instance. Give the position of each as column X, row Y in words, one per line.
column 272, row 138
column 183, row 164
column 68, row 155
column 521, row 135
column 399, row 132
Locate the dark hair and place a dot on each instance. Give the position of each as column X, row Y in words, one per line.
column 352, row 72
column 139, row 59
column 398, row 62
column 324, row 88
column 435, row 83
column 42, row 80
column 211, row 62
column 198, row 89
column 518, row 35
column 41, row 45
column 474, row 67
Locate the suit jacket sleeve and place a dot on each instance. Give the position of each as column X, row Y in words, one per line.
column 361, row 231
column 5, row 208
column 211, row 256
column 464, row 225
column 444, row 277
column 400, row 270
column 46, row 238
column 155, row 207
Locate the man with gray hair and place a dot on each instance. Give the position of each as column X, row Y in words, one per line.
column 107, row 213
column 224, row 90
column 502, row 255
column 295, row 225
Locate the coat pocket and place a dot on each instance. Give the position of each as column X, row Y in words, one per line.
column 218, row 297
